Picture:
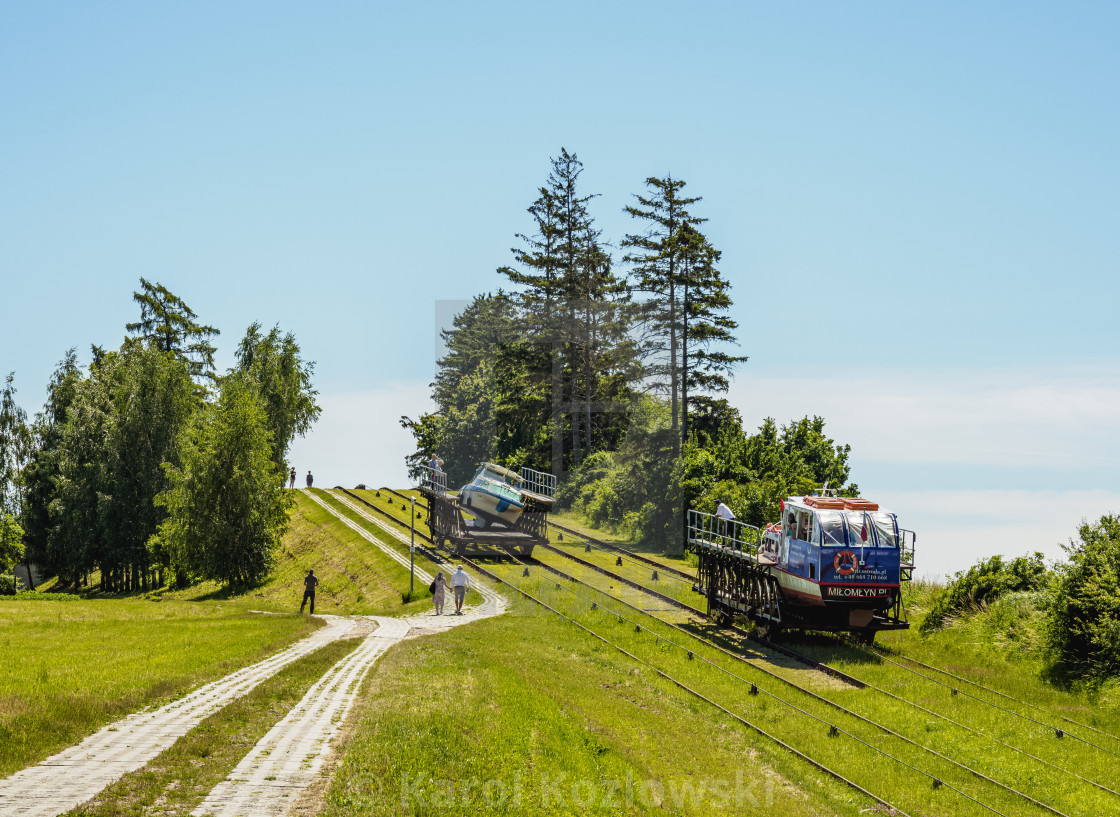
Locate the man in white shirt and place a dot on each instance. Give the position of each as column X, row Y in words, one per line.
column 460, row 581
column 725, row 515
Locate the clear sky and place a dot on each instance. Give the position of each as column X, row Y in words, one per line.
column 917, row 206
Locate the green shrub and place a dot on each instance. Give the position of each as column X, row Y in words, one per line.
column 983, row 583
column 8, row 585
column 1084, row 614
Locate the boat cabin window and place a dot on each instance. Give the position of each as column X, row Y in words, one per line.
column 859, row 530
column 886, row 529
column 832, row 529
column 799, row 524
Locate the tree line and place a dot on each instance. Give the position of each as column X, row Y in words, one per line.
column 607, row 370
column 148, row 467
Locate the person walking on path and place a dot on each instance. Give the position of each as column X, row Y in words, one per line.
column 292, row 476
column 439, row 593
column 310, row 479
column 309, row 584
column 460, row 581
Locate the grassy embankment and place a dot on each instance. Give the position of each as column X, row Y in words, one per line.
column 355, row 577
column 554, row 682
column 69, row 667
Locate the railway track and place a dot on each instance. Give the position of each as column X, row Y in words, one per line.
column 676, row 603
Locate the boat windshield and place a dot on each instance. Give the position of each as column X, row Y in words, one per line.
column 859, row 529
column 886, row 527
column 832, row 529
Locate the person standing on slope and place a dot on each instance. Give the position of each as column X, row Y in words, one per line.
column 310, row 479
column 292, row 478
column 460, row 581
column 310, row 582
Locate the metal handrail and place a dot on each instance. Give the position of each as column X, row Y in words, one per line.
column 538, row 482
column 433, row 479
column 707, row 528
column 908, row 544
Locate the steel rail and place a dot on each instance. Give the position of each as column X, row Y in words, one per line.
column 736, row 656
column 797, row 752
column 810, row 693
column 869, row 685
column 879, row 653
column 1060, row 733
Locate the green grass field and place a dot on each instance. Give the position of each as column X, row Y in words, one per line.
column 69, row 667
column 526, row 714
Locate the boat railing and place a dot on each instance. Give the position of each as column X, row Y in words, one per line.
column 538, row 482
column 907, row 545
column 709, row 529
column 433, row 479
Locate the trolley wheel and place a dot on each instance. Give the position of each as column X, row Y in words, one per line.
column 770, row 630
column 866, row 637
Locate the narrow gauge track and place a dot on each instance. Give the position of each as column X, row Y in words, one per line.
column 770, row 645
column 904, row 701
column 754, row 727
column 885, row 655
column 583, row 537
column 754, row 688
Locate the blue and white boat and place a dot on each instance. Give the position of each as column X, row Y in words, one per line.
column 494, row 494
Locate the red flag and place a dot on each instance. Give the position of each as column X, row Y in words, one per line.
column 863, row 530
column 782, row 505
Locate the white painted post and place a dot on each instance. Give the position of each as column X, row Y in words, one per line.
column 412, row 552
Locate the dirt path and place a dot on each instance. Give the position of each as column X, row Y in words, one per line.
column 74, row 775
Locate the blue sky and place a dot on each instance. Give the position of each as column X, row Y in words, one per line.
column 916, row 204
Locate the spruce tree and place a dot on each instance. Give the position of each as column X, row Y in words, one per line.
column 655, row 256
column 169, row 324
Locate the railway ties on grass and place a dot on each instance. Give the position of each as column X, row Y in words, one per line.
column 903, row 701
column 833, row 729
column 816, row 764
column 881, row 654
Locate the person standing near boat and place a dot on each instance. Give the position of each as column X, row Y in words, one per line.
column 460, row 581
column 725, row 515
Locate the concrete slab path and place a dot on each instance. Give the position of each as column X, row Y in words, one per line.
column 73, row 776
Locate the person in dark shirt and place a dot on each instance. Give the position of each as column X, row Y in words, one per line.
column 309, row 584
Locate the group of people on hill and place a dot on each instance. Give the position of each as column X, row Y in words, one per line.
column 460, row 583
column 292, row 479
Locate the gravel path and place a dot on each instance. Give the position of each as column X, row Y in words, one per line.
column 73, row 776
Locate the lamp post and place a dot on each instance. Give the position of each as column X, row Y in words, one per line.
column 412, row 552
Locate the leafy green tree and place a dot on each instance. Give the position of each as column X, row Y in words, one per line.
column 982, row 584
column 1084, row 611
column 169, row 324
column 283, row 382
column 43, row 471
column 11, row 552
column 153, row 400
column 226, row 507
column 15, row 449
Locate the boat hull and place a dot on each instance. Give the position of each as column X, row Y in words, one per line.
column 493, row 505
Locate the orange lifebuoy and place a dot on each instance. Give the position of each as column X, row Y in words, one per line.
column 845, row 557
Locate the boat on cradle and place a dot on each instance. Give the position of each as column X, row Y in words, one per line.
column 494, row 495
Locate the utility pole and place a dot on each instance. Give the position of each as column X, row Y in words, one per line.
column 412, row 552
